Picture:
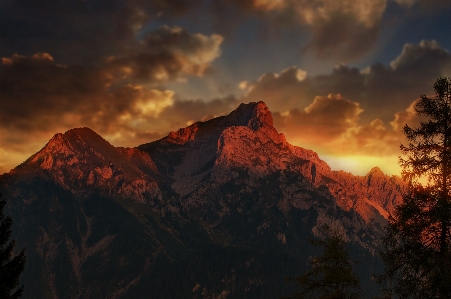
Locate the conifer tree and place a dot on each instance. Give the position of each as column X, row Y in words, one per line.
column 417, row 245
column 332, row 275
column 10, row 267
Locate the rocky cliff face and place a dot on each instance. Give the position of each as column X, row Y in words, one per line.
column 229, row 194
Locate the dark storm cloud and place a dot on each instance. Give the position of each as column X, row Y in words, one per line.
column 35, row 90
column 71, row 30
column 340, row 30
column 380, row 90
column 83, row 31
column 80, row 30
column 342, row 37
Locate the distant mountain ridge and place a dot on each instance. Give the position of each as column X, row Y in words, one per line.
column 80, row 160
column 232, row 185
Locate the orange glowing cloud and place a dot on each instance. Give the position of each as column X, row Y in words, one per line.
column 321, row 122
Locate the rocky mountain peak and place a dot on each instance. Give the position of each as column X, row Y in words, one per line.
column 375, row 176
column 85, row 135
column 254, row 114
column 376, row 171
column 72, row 146
column 80, row 160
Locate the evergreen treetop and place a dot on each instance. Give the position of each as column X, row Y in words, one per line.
column 331, row 275
column 10, row 267
column 417, row 246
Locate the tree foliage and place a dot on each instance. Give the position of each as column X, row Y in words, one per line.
column 332, row 275
column 10, row 267
column 417, row 251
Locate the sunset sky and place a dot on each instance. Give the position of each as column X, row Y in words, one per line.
column 341, row 77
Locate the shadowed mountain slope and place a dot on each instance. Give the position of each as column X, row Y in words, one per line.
column 220, row 209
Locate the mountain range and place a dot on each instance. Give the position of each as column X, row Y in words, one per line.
column 219, row 209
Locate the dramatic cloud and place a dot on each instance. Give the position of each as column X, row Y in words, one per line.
column 331, row 126
column 73, row 31
column 37, row 93
column 170, row 53
column 341, row 30
column 380, row 90
column 344, row 29
column 85, row 31
column 323, row 121
column 408, row 116
column 269, row 5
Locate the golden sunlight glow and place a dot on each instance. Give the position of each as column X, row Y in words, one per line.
column 115, row 137
column 10, row 159
column 361, row 165
column 152, row 102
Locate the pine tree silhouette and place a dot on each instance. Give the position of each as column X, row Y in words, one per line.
column 10, row 267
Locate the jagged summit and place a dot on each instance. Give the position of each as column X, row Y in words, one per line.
column 79, row 139
column 254, row 115
column 376, row 176
column 376, row 171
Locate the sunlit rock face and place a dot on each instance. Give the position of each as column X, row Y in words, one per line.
column 81, row 161
column 244, row 146
column 188, row 155
column 228, row 194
